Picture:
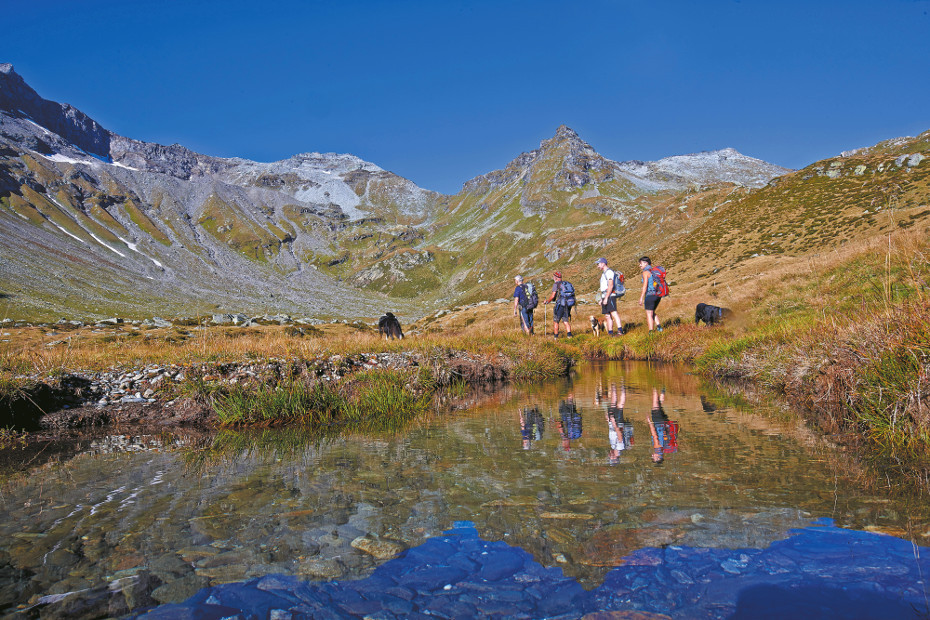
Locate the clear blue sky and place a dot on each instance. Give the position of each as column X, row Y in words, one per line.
column 439, row 91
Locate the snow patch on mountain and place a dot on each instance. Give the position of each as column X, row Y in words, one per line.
column 68, row 233
column 106, row 245
column 64, row 159
column 135, row 248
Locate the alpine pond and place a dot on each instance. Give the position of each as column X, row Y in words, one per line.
column 527, row 501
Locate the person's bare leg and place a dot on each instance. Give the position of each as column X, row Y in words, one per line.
column 617, row 321
column 650, row 319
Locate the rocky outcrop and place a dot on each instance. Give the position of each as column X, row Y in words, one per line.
column 704, row 169
column 174, row 160
column 19, row 99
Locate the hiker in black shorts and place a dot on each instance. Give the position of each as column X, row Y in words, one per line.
column 608, row 298
column 563, row 311
column 649, row 298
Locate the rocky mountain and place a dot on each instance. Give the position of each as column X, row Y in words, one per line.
column 96, row 223
column 73, row 126
column 557, row 205
column 566, row 162
column 698, row 170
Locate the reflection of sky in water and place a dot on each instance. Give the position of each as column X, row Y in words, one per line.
column 819, row 572
column 556, row 470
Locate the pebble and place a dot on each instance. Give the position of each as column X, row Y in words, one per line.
column 381, row 549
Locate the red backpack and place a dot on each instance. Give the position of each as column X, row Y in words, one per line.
column 658, row 280
column 672, row 445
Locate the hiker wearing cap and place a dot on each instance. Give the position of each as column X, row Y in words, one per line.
column 523, row 305
column 608, row 298
column 563, row 293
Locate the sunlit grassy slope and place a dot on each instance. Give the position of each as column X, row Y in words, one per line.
column 710, row 239
column 561, row 213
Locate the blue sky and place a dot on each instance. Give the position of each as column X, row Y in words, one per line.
column 440, row 91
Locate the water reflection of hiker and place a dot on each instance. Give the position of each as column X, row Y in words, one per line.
column 522, row 305
column 563, row 293
column 569, row 422
column 619, row 431
column 664, row 431
column 531, row 425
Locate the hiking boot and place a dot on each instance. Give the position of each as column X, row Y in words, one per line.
column 658, row 328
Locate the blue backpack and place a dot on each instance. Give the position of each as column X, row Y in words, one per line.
column 532, row 298
column 619, row 288
column 566, row 294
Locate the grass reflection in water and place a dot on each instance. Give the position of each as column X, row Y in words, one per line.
column 290, row 501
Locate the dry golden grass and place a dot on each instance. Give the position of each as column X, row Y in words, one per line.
column 33, row 350
column 763, row 293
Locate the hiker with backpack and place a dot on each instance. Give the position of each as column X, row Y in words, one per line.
column 563, row 293
column 612, row 290
column 525, row 300
column 654, row 289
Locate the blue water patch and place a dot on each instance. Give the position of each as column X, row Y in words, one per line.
column 819, row 572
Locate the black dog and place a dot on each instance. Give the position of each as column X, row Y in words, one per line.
column 595, row 325
column 710, row 314
column 389, row 327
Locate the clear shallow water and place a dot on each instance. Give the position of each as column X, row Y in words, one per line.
column 530, row 520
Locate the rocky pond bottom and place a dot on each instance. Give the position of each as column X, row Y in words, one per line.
column 819, row 572
column 624, row 490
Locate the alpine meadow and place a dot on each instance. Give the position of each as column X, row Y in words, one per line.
column 119, row 253
column 399, row 310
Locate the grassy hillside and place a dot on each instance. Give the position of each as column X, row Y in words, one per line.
column 560, row 208
column 557, row 208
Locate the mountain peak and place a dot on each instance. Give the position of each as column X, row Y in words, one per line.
column 13, row 87
column 19, row 99
column 564, row 132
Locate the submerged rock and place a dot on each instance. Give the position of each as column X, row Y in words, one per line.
column 381, row 549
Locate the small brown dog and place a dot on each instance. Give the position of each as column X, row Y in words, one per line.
column 595, row 326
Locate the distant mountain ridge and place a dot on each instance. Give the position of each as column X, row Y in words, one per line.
column 583, row 165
